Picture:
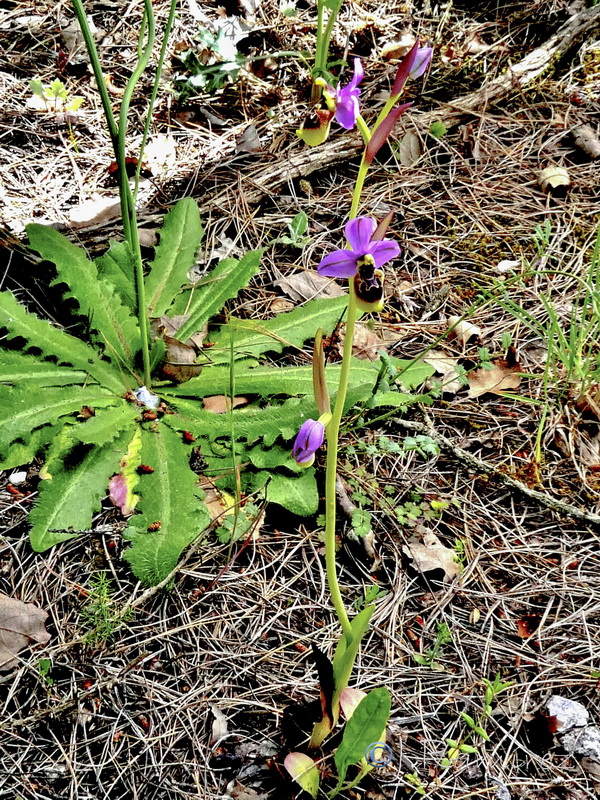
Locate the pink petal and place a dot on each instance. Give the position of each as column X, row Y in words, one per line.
column 359, row 233
column 384, row 251
column 341, row 264
column 359, row 74
column 347, row 111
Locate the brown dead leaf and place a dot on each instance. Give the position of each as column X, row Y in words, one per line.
column 180, row 364
column 462, row 329
column 365, row 345
column 217, row 502
column 95, row 211
column 21, row 624
column 409, row 150
column 495, row 380
column 307, row 285
column 589, row 450
column 528, row 625
column 446, row 366
column 431, row 554
column 240, row 792
column 280, row 304
column 586, row 138
column 220, row 403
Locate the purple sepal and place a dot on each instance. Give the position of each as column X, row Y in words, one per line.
column 310, row 437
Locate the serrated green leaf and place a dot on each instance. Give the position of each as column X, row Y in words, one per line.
column 250, row 423
column 180, row 239
column 364, row 728
column 291, row 329
column 20, row 453
column 36, row 87
column 272, row 457
column 106, row 425
column 122, row 484
column 59, row 448
column 298, row 494
column 268, row 381
column 97, row 299
column 169, row 496
column 18, row 368
column 22, row 411
column 66, row 503
column 222, row 284
column 53, row 342
column 116, row 265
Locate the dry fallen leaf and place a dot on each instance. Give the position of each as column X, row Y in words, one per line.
column 238, row 791
column 586, row 138
column 409, row 149
column 462, row 329
column 365, row 345
column 446, row 366
column 95, row 211
column 20, row 625
column 160, row 154
column 307, row 285
column 220, row 403
column 431, row 554
column 219, row 726
column 495, row 380
column 217, row 502
column 589, row 450
column 180, row 364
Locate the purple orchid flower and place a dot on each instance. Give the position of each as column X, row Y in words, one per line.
column 421, row 62
column 310, row 437
column 359, row 233
column 346, row 98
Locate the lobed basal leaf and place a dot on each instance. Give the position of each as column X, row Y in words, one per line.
column 171, row 514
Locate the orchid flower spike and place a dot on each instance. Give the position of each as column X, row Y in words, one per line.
column 310, row 437
column 359, row 233
column 345, row 98
column 421, row 62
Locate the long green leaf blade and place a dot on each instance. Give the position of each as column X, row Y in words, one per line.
column 22, row 411
column 53, row 342
column 180, row 239
column 67, row 502
column 18, row 369
column 290, row 329
column 97, row 299
column 170, row 507
column 222, row 284
column 363, row 729
column 116, row 265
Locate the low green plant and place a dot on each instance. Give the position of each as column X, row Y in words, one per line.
column 55, row 96
column 100, row 613
column 116, row 404
column 475, row 727
column 443, row 636
column 44, row 666
column 297, row 232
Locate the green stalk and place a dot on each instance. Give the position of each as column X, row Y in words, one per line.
column 154, row 93
column 97, row 69
column 333, row 432
column 127, row 198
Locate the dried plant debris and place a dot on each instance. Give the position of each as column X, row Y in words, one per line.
column 21, row 624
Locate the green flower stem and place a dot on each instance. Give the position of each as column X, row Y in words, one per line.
column 97, row 69
column 154, row 93
column 358, row 186
column 389, row 104
column 127, row 198
column 333, row 432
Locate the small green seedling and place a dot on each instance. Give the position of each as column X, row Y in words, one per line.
column 101, row 613
column 424, row 445
column 55, row 96
column 428, row 659
column 44, row 666
column 297, row 232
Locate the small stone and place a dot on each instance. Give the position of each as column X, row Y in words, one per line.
column 583, row 743
column 568, row 713
column 17, row 477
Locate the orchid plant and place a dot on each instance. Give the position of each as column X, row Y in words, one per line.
column 362, row 265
